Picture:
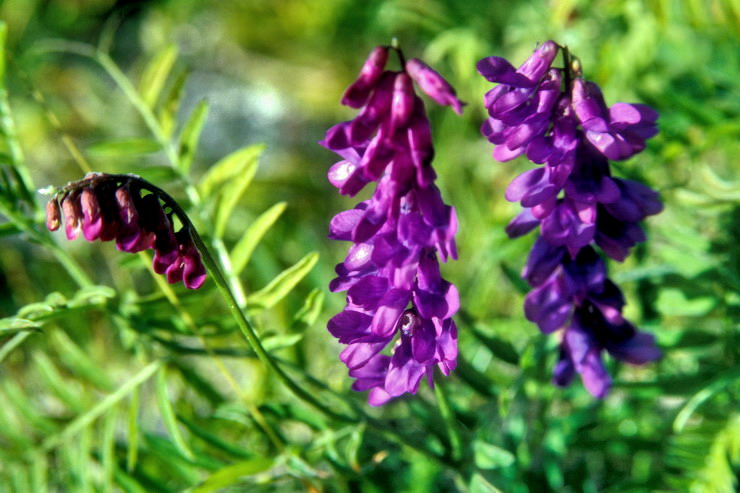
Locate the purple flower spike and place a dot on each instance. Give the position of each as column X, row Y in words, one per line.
column 396, row 296
column 576, row 202
column 111, row 207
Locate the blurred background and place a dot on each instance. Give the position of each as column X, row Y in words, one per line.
column 272, row 72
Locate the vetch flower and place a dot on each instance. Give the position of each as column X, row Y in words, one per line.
column 560, row 121
column 129, row 210
column 397, row 323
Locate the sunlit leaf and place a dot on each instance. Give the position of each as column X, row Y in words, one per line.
column 234, row 473
column 125, row 147
column 167, row 413
column 489, row 456
column 283, row 283
column 155, row 74
column 233, row 166
column 190, row 135
column 242, row 251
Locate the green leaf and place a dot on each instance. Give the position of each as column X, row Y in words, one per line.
column 171, row 104
column 189, row 136
column 167, row 413
column 155, row 74
column 230, row 167
column 80, row 363
column 500, row 348
column 132, row 454
column 514, row 278
column 9, row 229
column 124, row 147
column 231, row 194
column 3, row 37
column 489, row 456
column 279, row 287
column 101, row 407
column 273, row 343
column 92, row 295
column 354, row 443
column 13, row 325
column 243, row 250
column 479, row 484
column 672, row 302
column 311, row 308
column 234, row 473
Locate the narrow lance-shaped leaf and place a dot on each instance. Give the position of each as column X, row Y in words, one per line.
column 232, row 166
column 231, row 195
column 171, row 104
column 53, row 380
column 234, row 473
column 489, row 456
column 101, row 407
column 189, row 136
column 311, row 309
column 133, row 430
column 124, row 147
column 279, row 287
column 14, row 325
column 168, row 416
column 109, row 447
column 155, row 74
column 80, row 363
column 243, row 250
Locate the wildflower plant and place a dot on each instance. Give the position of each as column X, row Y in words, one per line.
column 395, row 292
column 560, row 121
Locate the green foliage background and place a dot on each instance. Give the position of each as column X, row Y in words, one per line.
column 112, row 381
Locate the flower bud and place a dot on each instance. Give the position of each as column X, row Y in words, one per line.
column 53, row 215
column 433, row 84
column 357, row 93
column 72, row 214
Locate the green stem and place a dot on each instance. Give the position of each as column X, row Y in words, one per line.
column 250, row 335
column 453, row 432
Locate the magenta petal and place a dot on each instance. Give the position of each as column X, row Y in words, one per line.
column 423, row 341
column 358, row 354
column 341, row 225
column 594, row 375
column 391, row 308
column 349, row 325
column 404, row 373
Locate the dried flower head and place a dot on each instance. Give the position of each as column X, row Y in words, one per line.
column 129, row 210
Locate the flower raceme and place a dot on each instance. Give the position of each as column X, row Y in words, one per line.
column 559, row 120
column 391, row 273
column 112, row 207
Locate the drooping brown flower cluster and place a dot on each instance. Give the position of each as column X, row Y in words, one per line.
column 128, row 210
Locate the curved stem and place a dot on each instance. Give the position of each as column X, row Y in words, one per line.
column 250, row 335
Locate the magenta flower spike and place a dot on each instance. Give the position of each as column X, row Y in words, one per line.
column 560, row 121
column 129, row 210
column 397, row 301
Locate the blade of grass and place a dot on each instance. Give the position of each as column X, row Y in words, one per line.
column 168, row 415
